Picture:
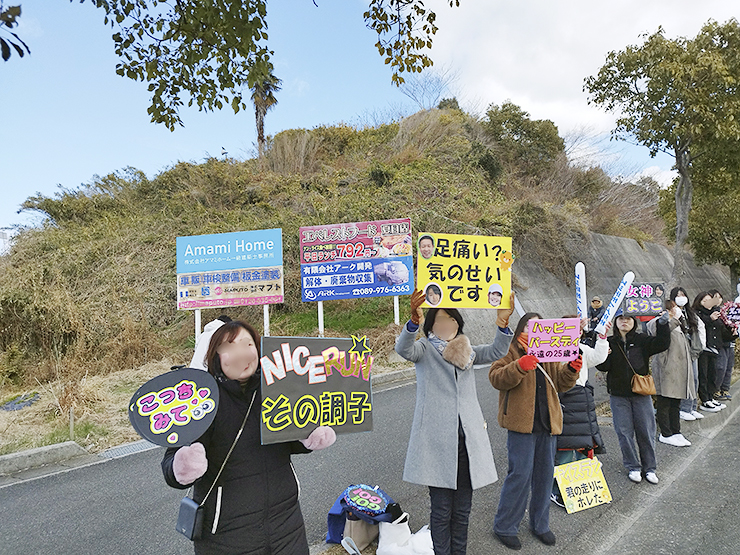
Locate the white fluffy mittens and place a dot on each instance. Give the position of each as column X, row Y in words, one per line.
column 190, row 463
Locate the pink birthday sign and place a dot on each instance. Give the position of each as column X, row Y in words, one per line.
column 554, row 340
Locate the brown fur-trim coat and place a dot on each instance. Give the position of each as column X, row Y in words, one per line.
column 518, row 388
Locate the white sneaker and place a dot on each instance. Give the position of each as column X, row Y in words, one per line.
column 687, row 415
column 696, row 414
column 651, row 477
column 717, row 404
column 684, row 442
column 635, row 476
column 677, row 440
column 706, row 407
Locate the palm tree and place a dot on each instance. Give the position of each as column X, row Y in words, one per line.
column 263, row 98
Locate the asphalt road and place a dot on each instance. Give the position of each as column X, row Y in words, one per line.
column 123, row 505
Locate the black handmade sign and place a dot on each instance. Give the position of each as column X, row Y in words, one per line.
column 309, row 382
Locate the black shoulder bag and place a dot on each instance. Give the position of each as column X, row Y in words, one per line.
column 190, row 517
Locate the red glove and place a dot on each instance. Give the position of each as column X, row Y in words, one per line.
column 528, row 362
column 576, row 364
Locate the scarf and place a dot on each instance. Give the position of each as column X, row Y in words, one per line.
column 457, row 352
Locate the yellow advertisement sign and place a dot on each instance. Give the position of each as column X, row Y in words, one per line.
column 464, row 271
column 582, row 485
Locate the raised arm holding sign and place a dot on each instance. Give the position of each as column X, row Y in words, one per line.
column 616, row 301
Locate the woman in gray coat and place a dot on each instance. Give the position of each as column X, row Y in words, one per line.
column 674, row 378
column 449, row 450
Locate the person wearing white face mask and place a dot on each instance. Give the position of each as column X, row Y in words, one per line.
column 695, row 334
column 449, row 450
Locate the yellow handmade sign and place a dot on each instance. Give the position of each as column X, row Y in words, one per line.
column 464, row 271
column 582, row 485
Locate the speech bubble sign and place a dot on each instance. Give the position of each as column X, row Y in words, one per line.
column 176, row 408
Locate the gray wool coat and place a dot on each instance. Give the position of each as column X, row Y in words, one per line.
column 672, row 369
column 445, row 393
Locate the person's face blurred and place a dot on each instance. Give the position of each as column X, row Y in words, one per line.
column 707, row 302
column 625, row 323
column 239, row 358
column 426, row 247
column 445, row 326
column 717, row 299
column 494, row 298
column 596, row 304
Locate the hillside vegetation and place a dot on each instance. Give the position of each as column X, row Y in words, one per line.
column 92, row 290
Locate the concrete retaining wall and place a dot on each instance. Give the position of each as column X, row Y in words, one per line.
column 608, row 259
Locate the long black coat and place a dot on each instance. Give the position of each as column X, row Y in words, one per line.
column 257, row 493
column 580, row 427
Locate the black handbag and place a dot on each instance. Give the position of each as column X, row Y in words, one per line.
column 190, row 516
column 190, row 519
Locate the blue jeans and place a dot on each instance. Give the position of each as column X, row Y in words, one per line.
column 633, row 417
column 531, row 467
column 688, row 405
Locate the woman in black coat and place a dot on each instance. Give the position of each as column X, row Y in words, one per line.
column 704, row 307
column 253, row 508
column 632, row 414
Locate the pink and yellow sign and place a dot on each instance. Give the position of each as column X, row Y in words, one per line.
column 554, row 340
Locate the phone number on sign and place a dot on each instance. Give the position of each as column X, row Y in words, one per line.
column 376, row 290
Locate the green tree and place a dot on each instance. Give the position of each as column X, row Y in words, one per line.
column 530, row 144
column 9, row 19
column 676, row 96
column 206, row 51
column 263, row 98
column 714, row 228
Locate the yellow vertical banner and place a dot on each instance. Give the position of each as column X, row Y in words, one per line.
column 464, row 271
column 582, row 485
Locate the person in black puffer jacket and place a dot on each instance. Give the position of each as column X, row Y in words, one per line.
column 581, row 436
column 632, row 414
column 253, row 508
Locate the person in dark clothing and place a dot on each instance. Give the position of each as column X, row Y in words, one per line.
column 253, row 507
column 726, row 356
column 632, row 414
column 581, row 437
column 704, row 307
column 595, row 312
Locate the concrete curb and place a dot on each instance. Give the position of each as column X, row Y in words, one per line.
column 60, row 452
column 40, row 456
column 394, row 376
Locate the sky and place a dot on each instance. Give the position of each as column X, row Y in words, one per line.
column 67, row 116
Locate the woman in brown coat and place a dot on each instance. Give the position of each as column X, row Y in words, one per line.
column 529, row 408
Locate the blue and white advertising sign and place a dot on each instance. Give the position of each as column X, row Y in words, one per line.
column 356, row 260
column 230, row 269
